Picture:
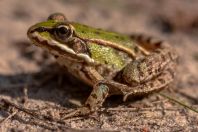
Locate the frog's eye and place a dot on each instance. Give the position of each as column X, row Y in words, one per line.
column 63, row 32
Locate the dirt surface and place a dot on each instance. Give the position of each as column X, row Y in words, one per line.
column 29, row 77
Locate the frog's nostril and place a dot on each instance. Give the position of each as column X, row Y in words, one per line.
column 30, row 31
column 40, row 29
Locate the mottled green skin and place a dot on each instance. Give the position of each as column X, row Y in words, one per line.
column 93, row 33
column 102, row 54
column 106, row 55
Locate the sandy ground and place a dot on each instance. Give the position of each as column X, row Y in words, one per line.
column 29, row 77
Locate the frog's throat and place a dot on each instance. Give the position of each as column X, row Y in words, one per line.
column 57, row 48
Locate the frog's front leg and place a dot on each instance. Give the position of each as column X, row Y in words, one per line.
column 96, row 98
column 93, row 103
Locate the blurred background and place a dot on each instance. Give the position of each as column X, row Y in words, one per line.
column 24, row 68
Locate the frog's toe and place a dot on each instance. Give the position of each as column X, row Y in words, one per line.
column 83, row 111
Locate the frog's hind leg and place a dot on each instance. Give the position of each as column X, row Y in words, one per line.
column 148, row 67
column 156, row 84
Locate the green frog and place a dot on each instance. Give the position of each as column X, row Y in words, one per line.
column 111, row 63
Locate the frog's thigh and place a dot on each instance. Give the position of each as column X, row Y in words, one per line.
column 156, row 84
column 144, row 69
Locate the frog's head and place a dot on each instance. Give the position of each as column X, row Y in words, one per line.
column 57, row 35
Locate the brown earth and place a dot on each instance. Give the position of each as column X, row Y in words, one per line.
column 29, row 77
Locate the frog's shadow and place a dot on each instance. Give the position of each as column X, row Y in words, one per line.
column 58, row 87
column 43, row 85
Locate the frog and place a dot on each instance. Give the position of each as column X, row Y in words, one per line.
column 110, row 62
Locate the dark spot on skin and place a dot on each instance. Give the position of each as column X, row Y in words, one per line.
column 172, row 73
column 141, row 74
column 105, row 62
column 99, row 29
column 162, row 81
column 151, row 85
column 97, row 32
column 83, row 31
column 136, row 49
column 148, row 40
column 170, row 55
column 116, row 36
column 163, row 58
column 158, row 51
column 158, row 44
column 157, row 70
column 121, row 38
column 139, row 37
column 56, row 56
column 150, row 72
column 94, row 96
column 89, row 52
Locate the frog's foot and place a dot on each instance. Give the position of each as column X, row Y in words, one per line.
column 83, row 111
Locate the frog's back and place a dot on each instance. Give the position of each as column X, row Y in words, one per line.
column 90, row 33
column 105, row 54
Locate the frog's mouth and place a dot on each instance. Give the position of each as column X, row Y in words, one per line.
column 43, row 38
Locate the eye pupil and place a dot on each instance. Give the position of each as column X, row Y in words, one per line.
column 63, row 30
